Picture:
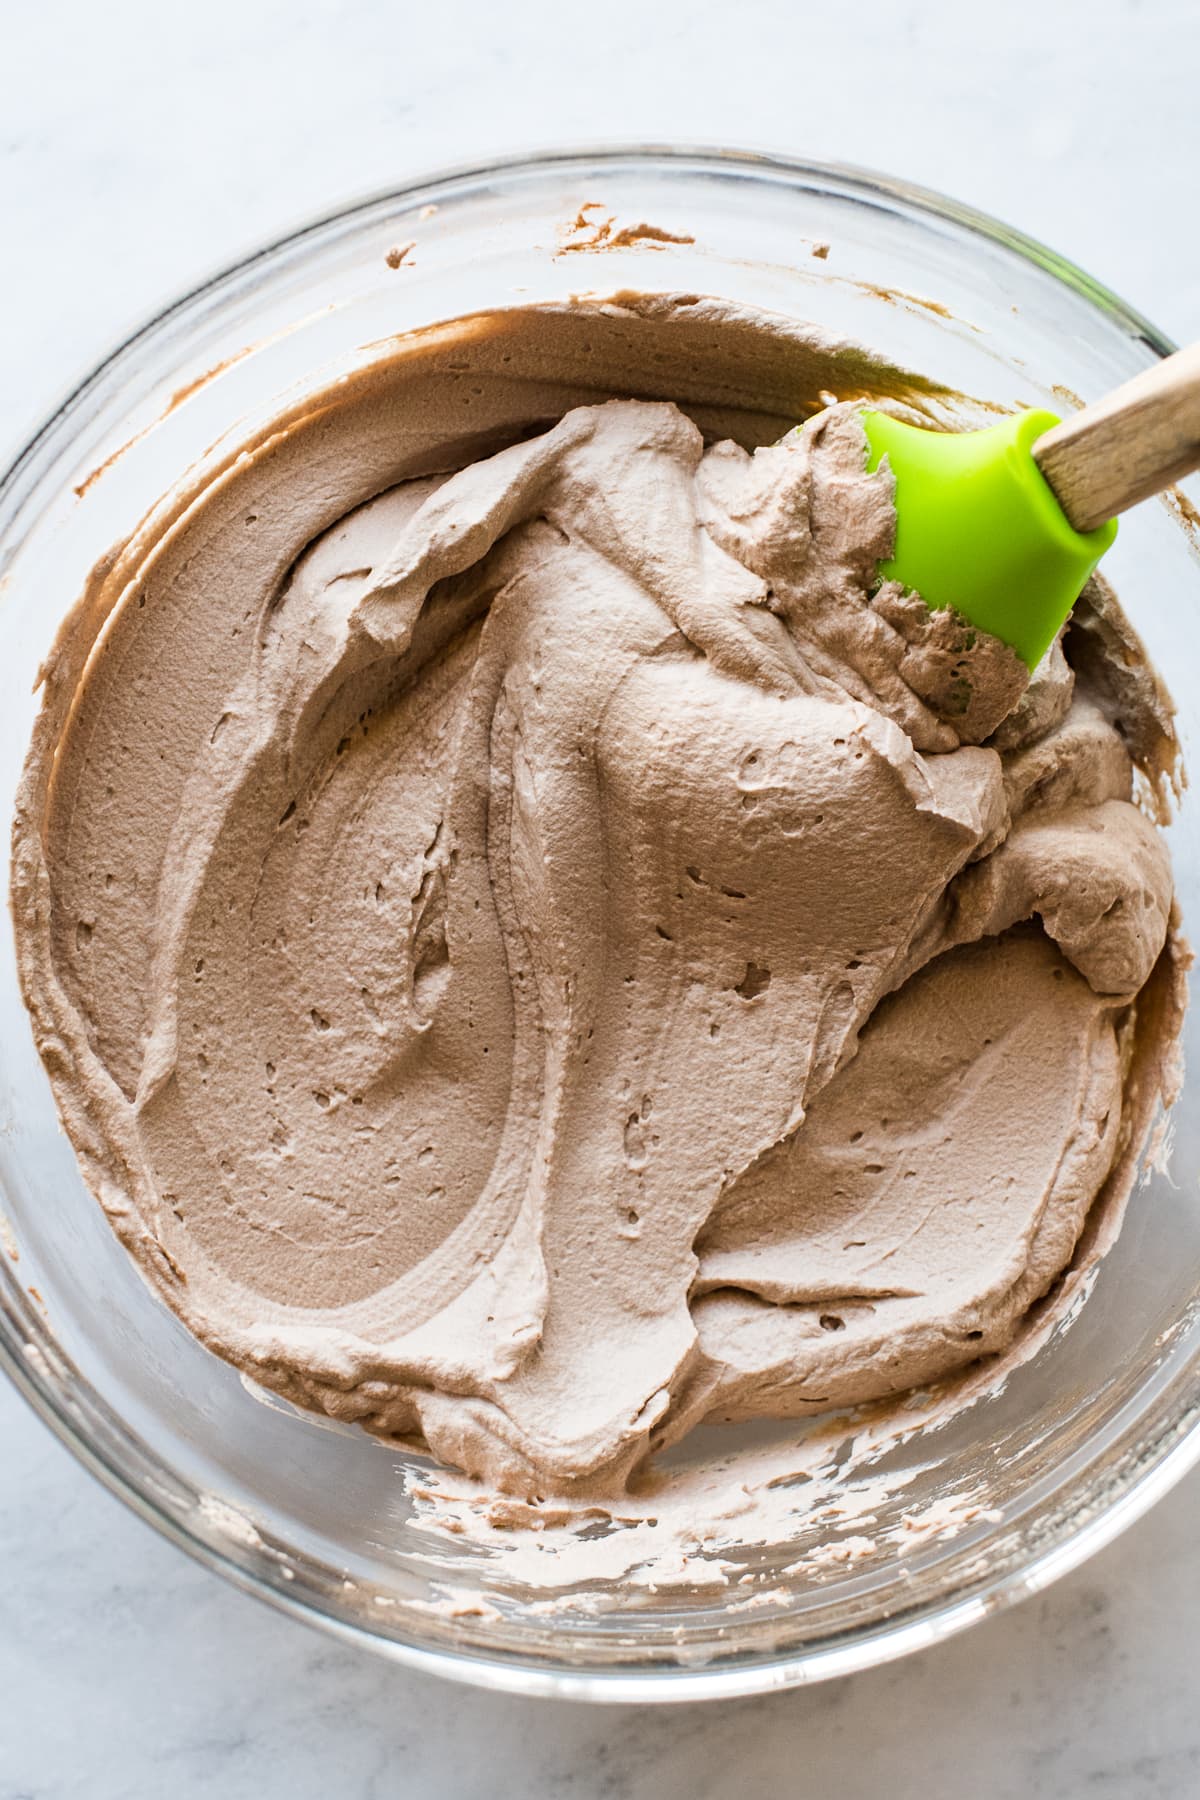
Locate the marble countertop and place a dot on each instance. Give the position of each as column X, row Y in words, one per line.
column 140, row 145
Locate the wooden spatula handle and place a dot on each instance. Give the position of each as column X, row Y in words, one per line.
column 1134, row 442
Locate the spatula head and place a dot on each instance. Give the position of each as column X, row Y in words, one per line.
column 978, row 527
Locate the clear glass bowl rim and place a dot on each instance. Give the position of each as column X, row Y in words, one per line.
column 1145, row 1466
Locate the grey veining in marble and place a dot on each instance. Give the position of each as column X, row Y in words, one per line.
column 141, row 145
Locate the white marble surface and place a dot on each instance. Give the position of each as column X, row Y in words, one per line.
column 140, row 144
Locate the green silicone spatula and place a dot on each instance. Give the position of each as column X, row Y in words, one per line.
column 1006, row 524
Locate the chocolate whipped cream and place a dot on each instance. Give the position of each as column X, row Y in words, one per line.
column 535, row 947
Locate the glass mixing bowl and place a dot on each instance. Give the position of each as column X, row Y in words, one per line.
column 318, row 1518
